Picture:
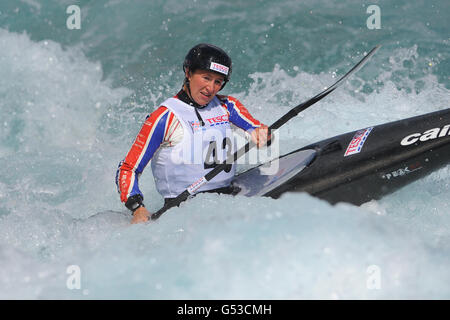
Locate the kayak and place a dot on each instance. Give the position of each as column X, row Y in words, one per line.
column 358, row 166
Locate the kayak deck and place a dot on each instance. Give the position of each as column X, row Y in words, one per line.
column 358, row 166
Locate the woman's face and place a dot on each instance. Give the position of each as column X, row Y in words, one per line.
column 204, row 85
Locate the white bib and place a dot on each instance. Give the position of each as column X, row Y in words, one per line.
column 202, row 147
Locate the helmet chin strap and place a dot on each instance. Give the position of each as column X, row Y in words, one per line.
column 193, row 103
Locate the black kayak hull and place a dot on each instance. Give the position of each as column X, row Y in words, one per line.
column 367, row 164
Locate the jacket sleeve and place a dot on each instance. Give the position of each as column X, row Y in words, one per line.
column 239, row 115
column 148, row 140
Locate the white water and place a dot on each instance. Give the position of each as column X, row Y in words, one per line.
column 64, row 129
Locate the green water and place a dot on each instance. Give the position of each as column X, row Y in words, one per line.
column 72, row 101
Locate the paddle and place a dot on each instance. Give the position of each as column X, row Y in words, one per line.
column 277, row 124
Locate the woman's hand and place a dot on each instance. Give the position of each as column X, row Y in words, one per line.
column 140, row 215
column 260, row 135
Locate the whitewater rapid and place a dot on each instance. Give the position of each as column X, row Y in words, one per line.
column 65, row 127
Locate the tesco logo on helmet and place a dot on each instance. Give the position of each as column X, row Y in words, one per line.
column 427, row 135
column 219, row 68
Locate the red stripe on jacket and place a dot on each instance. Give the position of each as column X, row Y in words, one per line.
column 138, row 148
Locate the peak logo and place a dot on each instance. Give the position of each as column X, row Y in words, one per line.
column 427, row 135
column 402, row 171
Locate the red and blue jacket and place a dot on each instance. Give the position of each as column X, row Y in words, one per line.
column 160, row 129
